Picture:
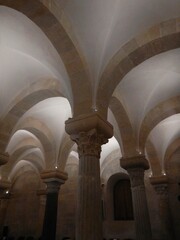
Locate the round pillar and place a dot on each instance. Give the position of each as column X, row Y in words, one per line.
column 89, row 132
column 41, row 193
column 53, row 180
column 160, row 184
column 136, row 166
column 4, row 201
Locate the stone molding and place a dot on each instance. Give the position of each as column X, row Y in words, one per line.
column 137, row 177
column 160, row 184
column 162, row 179
column 54, row 174
column 89, row 131
column 161, row 189
column 53, row 179
column 89, row 143
column 87, row 122
column 136, row 162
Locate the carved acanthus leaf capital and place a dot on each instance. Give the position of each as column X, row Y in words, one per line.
column 161, row 189
column 160, row 184
column 136, row 176
column 89, row 131
column 89, row 143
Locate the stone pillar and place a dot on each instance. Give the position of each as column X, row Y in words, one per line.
column 4, row 200
column 4, row 185
column 4, row 196
column 53, row 179
column 160, row 184
column 4, row 157
column 136, row 166
column 89, row 132
column 41, row 193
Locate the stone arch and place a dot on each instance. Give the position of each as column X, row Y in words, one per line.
column 155, row 116
column 110, row 166
column 18, row 155
column 50, row 87
column 18, row 169
column 25, row 183
column 172, row 148
column 74, row 64
column 27, row 99
column 64, row 150
column 157, row 39
column 153, row 159
column 115, row 155
column 28, row 141
column 43, row 134
column 127, row 139
column 72, row 166
column 109, row 192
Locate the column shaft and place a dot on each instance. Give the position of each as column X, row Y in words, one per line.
column 141, row 214
column 53, row 179
column 89, row 131
column 89, row 216
column 50, row 218
column 160, row 184
column 135, row 167
column 42, row 200
column 4, row 201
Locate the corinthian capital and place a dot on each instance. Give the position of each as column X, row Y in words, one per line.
column 89, row 143
column 137, row 177
column 89, row 132
column 135, row 166
column 160, row 184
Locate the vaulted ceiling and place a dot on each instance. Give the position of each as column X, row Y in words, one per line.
column 64, row 58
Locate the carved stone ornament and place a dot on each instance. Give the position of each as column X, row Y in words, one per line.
column 89, row 131
column 161, row 189
column 136, row 176
column 89, row 143
column 160, row 184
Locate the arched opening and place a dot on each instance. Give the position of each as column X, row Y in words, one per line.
column 123, row 208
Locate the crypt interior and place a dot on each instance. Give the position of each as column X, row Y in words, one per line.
column 90, row 119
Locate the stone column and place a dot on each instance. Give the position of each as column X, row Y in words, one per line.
column 160, row 184
column 53, row 180
column 4, row 158
column 4, row 200
column 41, row 193
column 4, row 196
column 89, row 132
column 4, row 185
column 136, row 166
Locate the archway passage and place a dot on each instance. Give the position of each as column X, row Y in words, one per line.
column 123, row 209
